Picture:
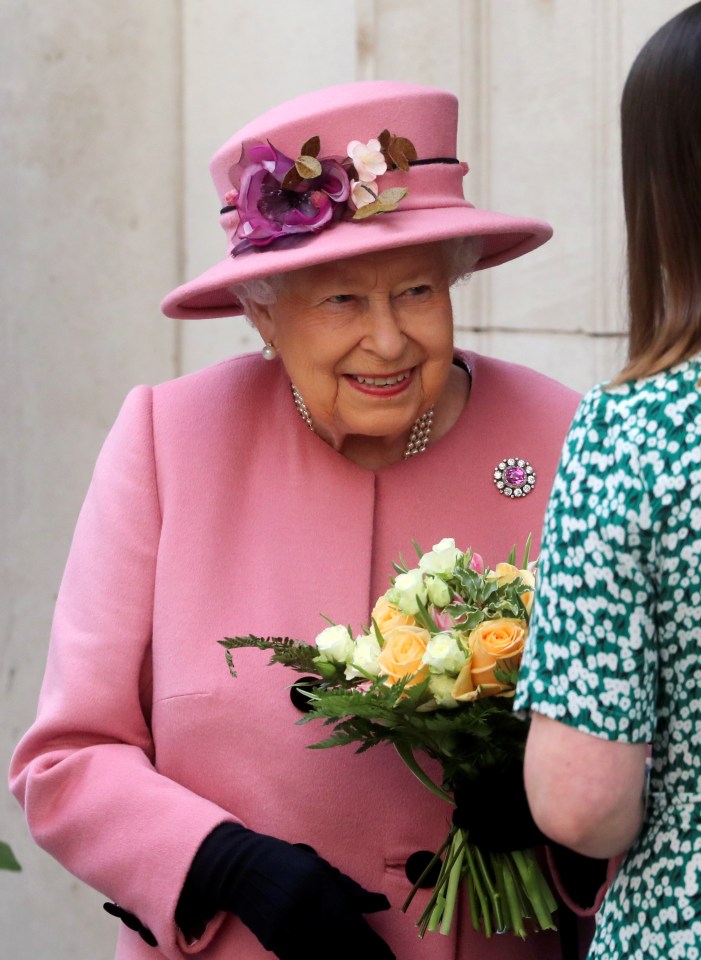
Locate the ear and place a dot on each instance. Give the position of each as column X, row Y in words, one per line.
column 261, row 317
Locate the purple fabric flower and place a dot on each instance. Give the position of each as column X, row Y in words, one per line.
column 268, row 211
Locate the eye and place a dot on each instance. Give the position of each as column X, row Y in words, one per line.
column 418, row 291
column 340, row 298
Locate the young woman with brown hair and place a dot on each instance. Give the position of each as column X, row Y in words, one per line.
column 614, row 661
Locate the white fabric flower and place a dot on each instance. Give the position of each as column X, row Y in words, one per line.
column 441, row 559
column 367, row 159
column 361, row 194
column 444, row 654
column 335, row 644
column 364, row 658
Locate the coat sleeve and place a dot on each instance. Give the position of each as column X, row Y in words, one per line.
column 84, row 771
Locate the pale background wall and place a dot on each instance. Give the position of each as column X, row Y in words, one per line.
column 110, row 114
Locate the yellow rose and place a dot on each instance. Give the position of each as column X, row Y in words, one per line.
column 387, row 617
column 506, row 572
column 494, row 645
column 402, row 655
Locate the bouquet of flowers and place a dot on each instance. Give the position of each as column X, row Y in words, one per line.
column 436, row 671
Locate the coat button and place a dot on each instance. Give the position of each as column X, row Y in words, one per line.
column 417, row 863
column 299, row 700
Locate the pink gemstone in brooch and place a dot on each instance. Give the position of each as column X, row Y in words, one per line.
column 514, row 477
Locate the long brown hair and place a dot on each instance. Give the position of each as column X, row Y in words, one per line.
column 661, row 151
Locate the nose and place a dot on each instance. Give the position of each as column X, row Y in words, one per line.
column 383, row 334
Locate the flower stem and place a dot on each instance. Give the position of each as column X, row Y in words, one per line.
column 443, row 911
column 531, row 876
column 474, row 905
column 431, row 915
column 493, row 893
column 458, row 851
column 513, row 900
column 407, row 755
column 476, row 880
column 436, row 913
column 436, row 857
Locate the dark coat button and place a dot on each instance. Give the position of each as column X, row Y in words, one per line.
column 131, row 921
column 303, row 703
column 417, row 863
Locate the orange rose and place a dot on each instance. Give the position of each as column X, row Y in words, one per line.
column 387, row 617
column 494, row 644
column 402, row 655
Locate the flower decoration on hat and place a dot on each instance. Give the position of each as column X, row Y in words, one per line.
column 371, row 160
column 367, row 159
column 278, row 199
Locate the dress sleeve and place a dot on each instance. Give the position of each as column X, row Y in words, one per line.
column 85, row 772
column 591, row 657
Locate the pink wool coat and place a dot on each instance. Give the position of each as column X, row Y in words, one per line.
column 214, row 511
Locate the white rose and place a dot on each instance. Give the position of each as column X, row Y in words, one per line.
column 441, row 559
column 366, row 650
column 334, row 644
column 441, row 687
column 407, row 587
column 444, row 654
column 438, row 592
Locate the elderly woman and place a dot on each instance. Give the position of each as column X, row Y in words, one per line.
column 255, row 496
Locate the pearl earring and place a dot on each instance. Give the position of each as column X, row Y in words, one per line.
column 269, row 352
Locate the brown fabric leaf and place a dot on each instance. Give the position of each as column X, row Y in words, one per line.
column 291, row 179
column 311, row 147
column 308, row 167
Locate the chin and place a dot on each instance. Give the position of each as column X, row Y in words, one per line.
column 387, row 434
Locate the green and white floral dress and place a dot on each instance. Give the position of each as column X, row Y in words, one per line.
column 615, row 644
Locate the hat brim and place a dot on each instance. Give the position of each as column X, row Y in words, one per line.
column 504, row 238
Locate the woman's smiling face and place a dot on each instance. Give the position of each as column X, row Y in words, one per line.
column 367, row 341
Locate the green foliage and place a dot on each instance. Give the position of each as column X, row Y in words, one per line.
column 424, row 618
column 290, row 653
column 479, row 598
column 8, row 861
column 378, row 636
column 465, row 741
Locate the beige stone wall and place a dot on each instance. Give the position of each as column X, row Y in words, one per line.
column 110, row 114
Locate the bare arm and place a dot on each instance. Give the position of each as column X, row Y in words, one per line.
column 585, row 792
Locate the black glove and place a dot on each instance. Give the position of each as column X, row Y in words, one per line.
column 296, row 903
column 494, row 811
column 580, row 877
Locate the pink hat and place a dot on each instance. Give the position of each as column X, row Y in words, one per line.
column 340, row 172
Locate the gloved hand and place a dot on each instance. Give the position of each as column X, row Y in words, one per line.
column 295, row 903
column 580, row 877
column 493, row 808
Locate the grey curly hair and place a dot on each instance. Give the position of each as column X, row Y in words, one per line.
column 461, row 255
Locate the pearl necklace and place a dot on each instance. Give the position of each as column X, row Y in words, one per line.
column 418, row 438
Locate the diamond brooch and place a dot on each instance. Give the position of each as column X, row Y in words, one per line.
column 514, row 477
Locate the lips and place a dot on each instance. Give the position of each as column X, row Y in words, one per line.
column 387, row 381
column 381, row 386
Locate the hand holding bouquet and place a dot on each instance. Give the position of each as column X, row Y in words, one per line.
column 436, row 671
